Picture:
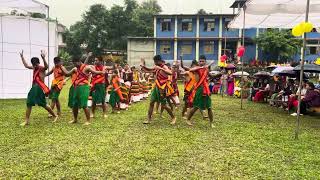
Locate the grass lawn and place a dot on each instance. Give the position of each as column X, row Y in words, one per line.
column 257, row 142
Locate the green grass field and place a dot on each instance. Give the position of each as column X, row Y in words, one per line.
column 257, row 142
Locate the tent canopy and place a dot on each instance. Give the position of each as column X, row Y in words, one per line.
column 25, row 5
column 277, row 14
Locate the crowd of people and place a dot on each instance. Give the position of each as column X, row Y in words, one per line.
column 283, row 92
column 278, row 91
column 95, row 85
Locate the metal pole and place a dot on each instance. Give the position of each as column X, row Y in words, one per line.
column 2, row 70
column 241, row 59
column 301, row 73
column 225, row 43
column 48, row 20
column 222, row 77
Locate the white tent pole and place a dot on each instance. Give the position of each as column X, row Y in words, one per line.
column 241, row 59
column 48, row 16
column 301, row 72
column 2, row 90
column 30, row 49
column 225, row 46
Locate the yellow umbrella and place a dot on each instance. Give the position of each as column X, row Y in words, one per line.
column 317, row 61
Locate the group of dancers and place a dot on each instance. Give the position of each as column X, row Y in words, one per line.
column 92, row 81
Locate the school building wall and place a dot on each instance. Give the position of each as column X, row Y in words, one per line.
column 171, row 43
column 138, row 48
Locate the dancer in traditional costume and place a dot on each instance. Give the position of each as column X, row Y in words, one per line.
column 98, row 87
column 39, row 91
column 135, row 86
column 115, row 95
column 59, row 73
column 162, row 89
column 200, row 96
column 175, row 74
column 82, row 89
column 73, row 79
column 190, row 82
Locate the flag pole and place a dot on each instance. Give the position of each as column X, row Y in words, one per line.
column 301, row 73
column 241, row 58
column 48, row 20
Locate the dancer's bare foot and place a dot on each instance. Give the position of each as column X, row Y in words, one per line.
column 173, row 122
column 105, row 116
column 24, row 124
column 55, row 119
column 189, row 122
column 91, row 115
column 73, row 122
column 86, row 123
column 118, row 112
column 50, row 116
column 161, row 115
column 147, row 121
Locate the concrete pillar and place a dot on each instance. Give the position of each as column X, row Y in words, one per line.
column 175, row 47
column 257, row 48
column 197, row 38
column 220, row 38
column 155, row 27
column 239, row 41
column 155, row 47
column 129, row 60
column 155, row 35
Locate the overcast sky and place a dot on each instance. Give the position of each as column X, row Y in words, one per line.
column 70, row 11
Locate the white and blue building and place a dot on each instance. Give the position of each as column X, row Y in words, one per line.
column 192, row 35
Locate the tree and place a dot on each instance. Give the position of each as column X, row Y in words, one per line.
column 65, row 56
column 38, row 15
column 152, row 5
column 130, row 5
column 202, row 12
column 102, row 29
column 73, row 42
column 143, row 18
column 279, row 44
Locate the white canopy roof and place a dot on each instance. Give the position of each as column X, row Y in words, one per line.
column 25, row 5
column 277, row 14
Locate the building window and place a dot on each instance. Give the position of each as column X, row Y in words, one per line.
column 186, row 49
column 166, row 25
column 312, row 50
column 209, row 25
column 226, row 23
column 208, row 47
column 186, row 25
column 165, row 48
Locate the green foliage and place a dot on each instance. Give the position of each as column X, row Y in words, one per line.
column 201, row 12
column 73, row 41
column 38, row 15
column 254, row 143
column 65, row 56
column 102, row 28
column 279, row 44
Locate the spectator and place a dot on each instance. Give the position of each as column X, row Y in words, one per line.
column 311, row 99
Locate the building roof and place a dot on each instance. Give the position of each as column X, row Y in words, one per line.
column 141, row 38
column 203, row 15
column 238, row 2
